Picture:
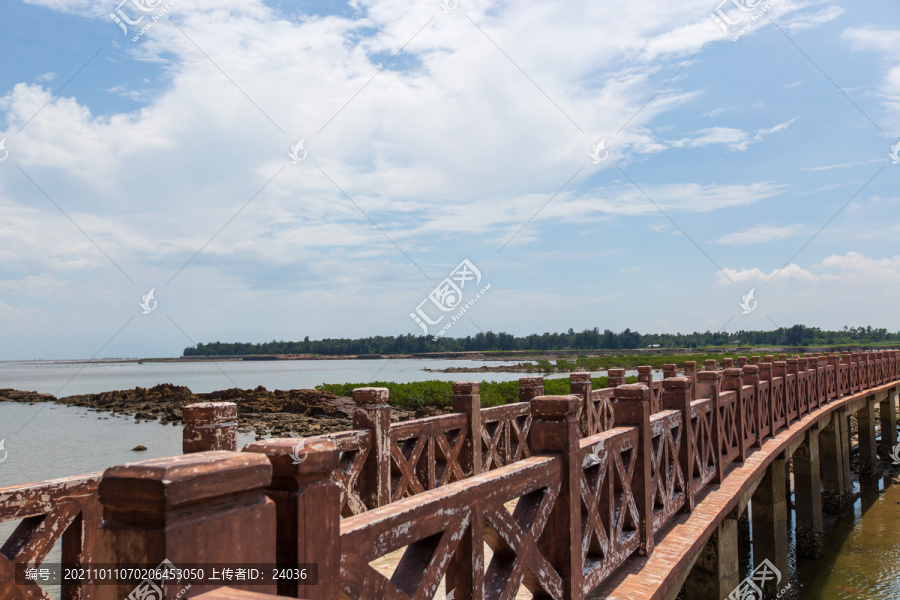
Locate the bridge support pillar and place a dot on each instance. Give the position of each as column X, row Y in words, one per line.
column 808, row 497
column 716, row 573
column 770, row 524
column 868, row 447
column 888, row 413
column 834, row 449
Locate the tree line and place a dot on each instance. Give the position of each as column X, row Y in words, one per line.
column 589, row 339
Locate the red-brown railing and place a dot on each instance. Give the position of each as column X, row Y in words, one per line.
column 596, row 476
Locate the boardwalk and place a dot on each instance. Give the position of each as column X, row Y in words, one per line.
column 632, row 491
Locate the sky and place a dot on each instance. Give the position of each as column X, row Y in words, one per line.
column 275, row 170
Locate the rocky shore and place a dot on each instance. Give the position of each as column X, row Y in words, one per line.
column 282, row 413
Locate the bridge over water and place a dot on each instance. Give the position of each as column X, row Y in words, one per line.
column 631, row 491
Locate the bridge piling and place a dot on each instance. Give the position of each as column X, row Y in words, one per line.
column 770, row 524
column 834, row 449
column 808, row 496
column 716, row 572
column 868, row 447
column 888, row 415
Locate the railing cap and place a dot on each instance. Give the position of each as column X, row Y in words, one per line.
column 632, row 391
column 676, row 383
column 370, row 396
column 297, row 456
column 580, row 376
column 465, row 387
column 208, row 413
column 153, row 485
column 555, row 407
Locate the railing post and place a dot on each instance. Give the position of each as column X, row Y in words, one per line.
column 727, row 363
column 742, row 361
column 780, row 370
column 633, row 409
column 202, row 509
column 460, row 574
column 765, row 382
column 708, row 384
column 580, row 385
column 645, row 376
column 209, row 426
column 732, row 381
column 530, row 387
column 750, row 376
column 669, row 370
column 555, row 429
column 690, row 371
column 309, row 506
column 676, row 395
column 616, row 377
column 834, row 364
column 467, row 400
column 373, row 413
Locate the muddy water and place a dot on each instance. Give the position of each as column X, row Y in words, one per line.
column 862, row 558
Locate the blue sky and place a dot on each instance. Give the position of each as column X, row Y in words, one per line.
column 432, row 134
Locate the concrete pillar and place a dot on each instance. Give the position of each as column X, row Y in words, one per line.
column 716, row 573
column 834, row 451
column 209, row 426
column 808, row 496
column 888, row 411
column 770, row 519
column 868, row 447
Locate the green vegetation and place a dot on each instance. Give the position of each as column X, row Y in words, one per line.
column 419, row 394
column 589, row 339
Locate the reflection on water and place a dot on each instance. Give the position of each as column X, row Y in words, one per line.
column 862, row 557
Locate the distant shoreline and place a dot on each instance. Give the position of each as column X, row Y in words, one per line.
column 512, row 355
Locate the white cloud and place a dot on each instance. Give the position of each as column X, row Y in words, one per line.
column 761, row 234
